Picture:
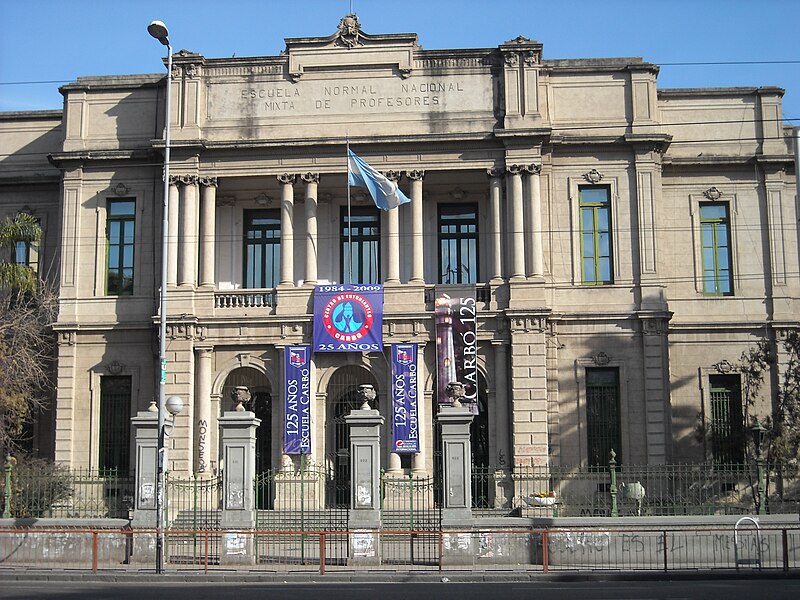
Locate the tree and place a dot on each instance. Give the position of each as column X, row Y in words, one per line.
column 783, row 368
column 27, row 310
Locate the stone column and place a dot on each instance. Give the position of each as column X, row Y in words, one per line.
column 534, row 225
column 172, row 240
column 496, row 246
column 208, row 226
column 417, row 227
column 517, row 236
column 188, row 234
column 502, row 430
column 423, row 414
column 287, row 228
column 238, row 439
column 393, row 237
column 312, row 181
column 202, row 411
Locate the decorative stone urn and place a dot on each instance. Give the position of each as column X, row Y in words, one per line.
column 455, row 391
column 366, row 393
column 241, row 396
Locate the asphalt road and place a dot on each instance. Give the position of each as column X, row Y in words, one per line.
column 774, row 589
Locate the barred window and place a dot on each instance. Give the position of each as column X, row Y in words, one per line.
column 603, row 415
column 726, row 422
column 115, row 424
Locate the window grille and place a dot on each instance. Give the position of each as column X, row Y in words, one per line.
column 726, row 422
column 603, row 415
column 115, row 424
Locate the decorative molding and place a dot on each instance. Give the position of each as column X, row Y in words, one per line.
column 243, row 359
column 601, row 359
column 287, row 178
column 208, row 181
column 514, row 169
column 725, row 366
column 511, row 59
column 415, row 175
column 349, row 35
column 227, row 200
column 531, row 58
column 263, row 200
column 654, row 326
column 174, row 179
column 520, row 39
column 593, row 176
column 393, row 175
column 121, row 189
column 310, row 177
column 458, row 194
column 192, row 70
column 66, row 338
column 188, row 179
column 713, row 193
column 177, row 71
column 115, row 367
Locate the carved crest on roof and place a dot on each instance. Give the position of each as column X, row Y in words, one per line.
column 350, row 32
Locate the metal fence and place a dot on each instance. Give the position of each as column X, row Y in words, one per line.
column 36, row 489
column 522, row 550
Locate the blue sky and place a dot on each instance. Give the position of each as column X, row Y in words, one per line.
column 59, row 40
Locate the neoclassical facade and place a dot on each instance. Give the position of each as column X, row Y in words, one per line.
column 624, row 244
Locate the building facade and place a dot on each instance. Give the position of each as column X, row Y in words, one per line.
column 624, row 243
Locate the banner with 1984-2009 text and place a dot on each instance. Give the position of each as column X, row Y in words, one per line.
column 348, row 318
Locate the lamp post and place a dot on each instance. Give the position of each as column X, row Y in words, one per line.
column 759, row 432
column 159, row 31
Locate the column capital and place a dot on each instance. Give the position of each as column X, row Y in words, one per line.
column 515, row 169
column 287, row 178
column 188, row 179
column 415, row 175
column 393, row 175
column 174, row 179
column 495, row 172
column 533, row 169
column 308, row 177
column 208, row 181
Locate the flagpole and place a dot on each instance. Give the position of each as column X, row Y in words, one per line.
column 349, row 221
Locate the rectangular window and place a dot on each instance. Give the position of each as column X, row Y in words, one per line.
column 26, row 253
column 715, row 233
column 603, row 415
column 458, row 243
column 115, row 424
column 120, row 239
column 262, row 248
column 595, row 217
column 726, row 423
column 360, row 243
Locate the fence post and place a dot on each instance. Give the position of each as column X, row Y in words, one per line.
column 7, row 507
column 612, row 469
column 322, row 553
column 94, row 552
column 664, row 533
column 545, row 551
column 785, row 544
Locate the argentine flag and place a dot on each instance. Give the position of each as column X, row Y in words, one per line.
column 384, row 192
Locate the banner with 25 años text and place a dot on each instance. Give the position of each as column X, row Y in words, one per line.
column 297, row 389
column 348, row 318
column 405, row 421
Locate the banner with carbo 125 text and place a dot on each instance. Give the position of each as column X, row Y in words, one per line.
column 457, row 348
column 297, row 389
column 405, row 421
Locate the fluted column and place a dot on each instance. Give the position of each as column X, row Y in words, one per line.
column 188, row 234
column 287, row 228
column 202, row 411
column 417, row 246
column 517, row 236
column 172, row 240
column 423, row 414
column 496, row 245
column 208, row 227
column 393, row 238
column 312, row 182
column 534, row 224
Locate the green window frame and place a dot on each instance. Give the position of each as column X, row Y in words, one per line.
column 458, row 243
column 262, row 248
column 120, row 238
column 596, row 242
column 115, row 424
column 361, row 249
column 726, row 419
column 715, row 235
column 603, row 425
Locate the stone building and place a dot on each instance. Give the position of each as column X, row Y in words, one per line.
column 624, row 244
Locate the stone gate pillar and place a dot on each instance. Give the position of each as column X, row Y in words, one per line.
column 454, row 421
column 238, row 439
column 365, row 509
column 145, row 424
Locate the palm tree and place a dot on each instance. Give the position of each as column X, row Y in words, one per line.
column 13, row 230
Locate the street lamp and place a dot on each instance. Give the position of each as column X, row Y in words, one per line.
column 759, row 433
column 158, row 30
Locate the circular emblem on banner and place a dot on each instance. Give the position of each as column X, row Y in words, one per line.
column 348, row 317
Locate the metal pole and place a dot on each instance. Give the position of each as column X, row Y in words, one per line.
column 162, row 351
column 7, row 491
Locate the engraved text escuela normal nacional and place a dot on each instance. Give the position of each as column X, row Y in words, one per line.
column 337, row 97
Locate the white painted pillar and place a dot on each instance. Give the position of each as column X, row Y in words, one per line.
column 172, row 240
column 188, row 234
column 495, row 224
column 517, row 236
column 208, row 201
column 287, row 228
column 534, row 233
column 417, row 246
column 312, row 182
column 202, row 411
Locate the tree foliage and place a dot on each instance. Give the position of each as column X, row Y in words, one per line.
column 783, row 423
column 27, row 311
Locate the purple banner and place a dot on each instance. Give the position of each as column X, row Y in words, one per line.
column 297, row 391
column 348, row 318
column 405, row 421
column 457, row 348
